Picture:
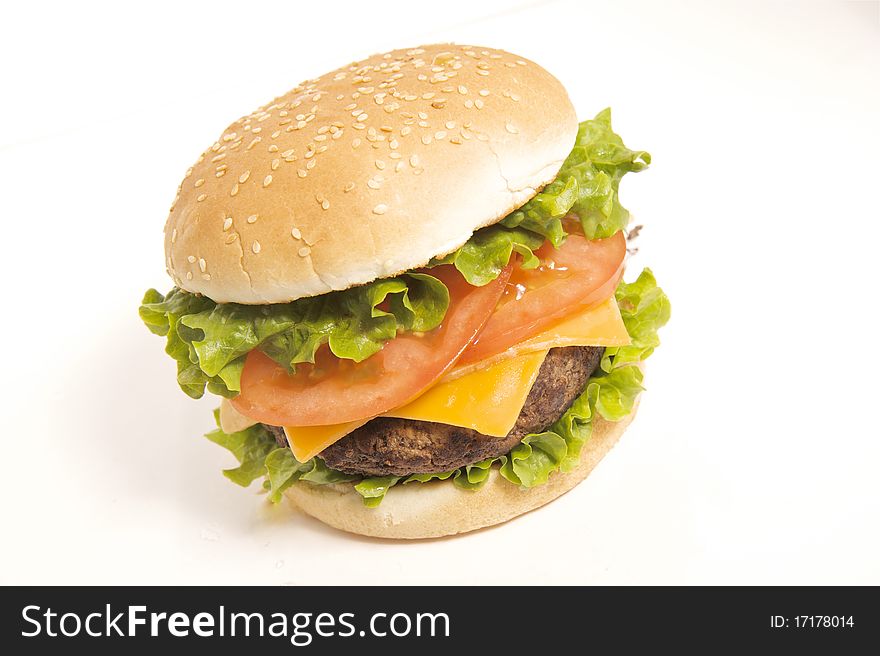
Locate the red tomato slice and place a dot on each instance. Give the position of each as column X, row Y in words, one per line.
column 579, row 274
column 334, row 390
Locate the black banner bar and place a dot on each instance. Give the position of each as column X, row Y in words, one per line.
column 398, row 620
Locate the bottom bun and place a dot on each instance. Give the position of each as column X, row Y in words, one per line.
column 439, row 508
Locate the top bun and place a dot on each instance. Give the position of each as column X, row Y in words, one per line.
column 366, row 172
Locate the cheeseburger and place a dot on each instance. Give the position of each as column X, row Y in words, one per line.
column 404, row 280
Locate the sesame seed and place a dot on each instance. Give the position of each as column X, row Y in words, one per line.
column 440, row 134
column 256, row 247
column 414, row 160
column 450, row 125
column 227, row 223
column 267, row 180
column 252, row 218
column 381, row 208
column 231, row 238
column 311, row 164
column 348, row 187
column 394, row 154
column 478, row 103
column 484, row 92
column 295, row 233
column 202, row 264
column 201, row 197
column 199, row 182
column 190, row 258
column 426, row 139
column 275, row 164
column 355, row 143
column 405, row 130
column 305, row 250
column 244, row 177
column 174, row 235
column 462, row 89
column 423, row 115
column 189, row 275
column 301, row 173
column 373, row 183
column 424, row 124
column 380, row 164
column 510, row 127
column 325, row 204
column 234, row 190
column 469, row 103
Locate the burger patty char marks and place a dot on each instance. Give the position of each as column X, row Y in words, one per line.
column 389, row 446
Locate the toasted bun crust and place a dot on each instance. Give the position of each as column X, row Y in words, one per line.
column 365, row 172
column 438, row 508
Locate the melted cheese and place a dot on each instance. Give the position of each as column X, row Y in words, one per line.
column 488, row 400
column 308, row 441
column 486, row 396
column 598, row 326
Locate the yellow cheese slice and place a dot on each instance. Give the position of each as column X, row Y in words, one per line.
column 308, row 441
column 488, row 400
column 488, row 395
column 598, row 326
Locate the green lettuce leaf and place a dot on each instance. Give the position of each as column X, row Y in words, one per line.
column 643, row 306
column 586, row 186
column 373, row 489
column 250, row 447
column 210, row 340
column 485, row 254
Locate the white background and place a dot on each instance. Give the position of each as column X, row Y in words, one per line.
column 756, row 452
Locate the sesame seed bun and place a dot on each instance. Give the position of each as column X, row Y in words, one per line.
column 366, row 172
column 439, row 508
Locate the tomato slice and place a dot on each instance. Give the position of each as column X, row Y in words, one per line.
column 579, row 274
column 334, row 390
